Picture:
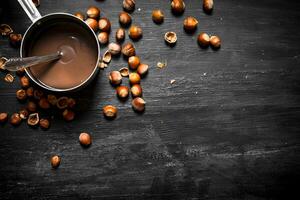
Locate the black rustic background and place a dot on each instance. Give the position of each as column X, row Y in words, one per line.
column 228, row 128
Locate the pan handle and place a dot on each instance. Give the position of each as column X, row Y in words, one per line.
column 30, row 9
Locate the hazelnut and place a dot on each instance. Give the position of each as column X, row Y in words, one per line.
column 134, row 78
column 55, row 161
column 15, row 39
column 52, row 99
column 24, row 81
column 23, row 113
column 208, row 6
column 135, row 32
column 190, row 24
column 170, row 38
column 3, row 117
column 9, row 78
column 92, row 23
column 5, row 29
column 29, row 92
column 110, row 111
column 44, row 123
column 122, row 91
column 133, row 62
column 71, row 102
column 124, row 71
column 62, row 102
column 31, row 106
column 20, row 72
column 38, row 94
column 215, row 42
column 115, row 78
column 177, row 6
column 102, row 65
column 68, row 115
column 129, row 5
column 142, row 69
column 104, row 25
column 36, row 3
column 33, row 119
column 15, row 119
column 136, row 90
column 21, row 95
column 85, row 139
column 138, row 104
column 79, row 15
column 157, row 16
column 124, row 19
column 3, row 60
column 44, row 103
column 203, row 39
column 120, row 34
column 93, row 12
column 106, row 57
column 103, row 37
column 114, row 48
column 128, row 49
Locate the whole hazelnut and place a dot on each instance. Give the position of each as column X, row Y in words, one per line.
column 135, row 32
column 136, row 90
column 33, row 119
column 44, row 123
column 190, row 24
column 92, row 23
column 93, row 12
column 104, row 25
column 103, row 38
column 133, row 62
column 44, row 103
column 15, row 119
column 79, row 15
column 115, row 78
column 85, row 139
column 203, row 39
column 31, row 106
column 124, row 19
column 129, row 5
column 15, row 39
column 23, row 113
column 24, row 81
column 122, row 91
column 128, row 49
column 68, row 115
column 21, row 95
column 134, row 78
column 29, row 92
column 142, row 69
column 215, row 42
column 138, row 104
column 120, row 34
column 208, row 6
column 55, row 161
column 110, row 111
column 62, row 102
column 71, row 102
column 114, row 48
column 177, row 6
column 157, row 16
column 3, row 117
column 52, row 99
column 38, row 94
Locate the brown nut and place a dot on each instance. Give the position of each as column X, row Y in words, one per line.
column 124, row 71
column 79, row 15
column 114, row 48
column 157, row 16
column 9, row 78
column 24, row 81
column 138, row 104
column 62, row 102
column 15, row 119
column 15, row 39
column 29, row 92
column 110, row 111
column 85, row 139
column 44, row 103
column 120, row 34
column 55, row 162
column 115, row 78
column 71, row 102
column 104, row 25
column 124, row 19
column 134, row 78
column 136, row 90
column 103, row 38
column 23, row 113
column 36, row 3
column 208, row 6
column 93, row 12
column 52, row 99
column 68, row 115
column 3, row 117
column 92, row 23
column 135, row 32
column 122, row 91
column 190, row 24
column 106, row 57
column 170, row 38
column 20, row 72
column 128, row 49
column 215, row 42
column 38, row 94
column 21, row 95
column 3, row 60
column 31, row 106
column 33, row 119
column 177, row 6
column 5, row 29
column 203, row 39
column 129, row 5
column 142, row 69
column 44, row 123
column 133, row 62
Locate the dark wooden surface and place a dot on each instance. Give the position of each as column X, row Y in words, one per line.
column 228, row 128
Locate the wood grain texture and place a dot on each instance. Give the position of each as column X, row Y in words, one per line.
column 228, row 128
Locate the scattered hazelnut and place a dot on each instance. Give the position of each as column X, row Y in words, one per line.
column 71, row 102
column 104, row 25
column 124, row 19
column 15, row 119
column 20, row 72
column 134, row 78
column 93, row 12
column 68, row 115
column 15, row 39
column 177, row 6
column 128, row 49
column 171, row 38
column 122, row 91
column 120, row 34
column 5, row 29
column 33, row 119
column 44, row 123
column 124, row 71
column 36, row 3
column 129, row 5
column 92, row 23
column 31, row 106
column 23, row 113
column 133, row 62
column 79, row 15
column 24, row 81
column 3, row 117
column 157, row 16
column 136, row 90
column 85, row 139
column 62, row 102
column 44, row 103
column 103, row 37
column 215, row 42
column 135, row 32
column 102, row 65
column 29, row 92
column 115, row 78
column 110, row 111
column 138, row 104
column 114, row 48
column 142, row 69
column 9, row 78
column 21, row 95
column 52, row 99
column 38, row 94
column 3, row 60
column 203, row 39
column 55, row 162
column 190, row 24
column 208, row 6
column 106, row 57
